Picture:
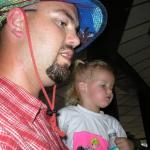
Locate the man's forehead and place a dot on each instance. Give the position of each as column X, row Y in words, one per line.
column 67, row 9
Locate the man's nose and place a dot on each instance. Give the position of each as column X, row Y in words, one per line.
column 73, row 39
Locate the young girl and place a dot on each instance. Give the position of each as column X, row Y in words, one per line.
column 86, row 127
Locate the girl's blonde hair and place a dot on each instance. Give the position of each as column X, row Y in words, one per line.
column 83, row 71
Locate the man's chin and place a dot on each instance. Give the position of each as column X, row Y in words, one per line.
column 58, row 73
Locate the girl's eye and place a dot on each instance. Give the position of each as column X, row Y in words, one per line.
column 103, row 85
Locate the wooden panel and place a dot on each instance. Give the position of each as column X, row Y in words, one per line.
column 138, row 15
column 135, row 32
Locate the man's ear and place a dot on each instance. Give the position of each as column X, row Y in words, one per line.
column 15, row 21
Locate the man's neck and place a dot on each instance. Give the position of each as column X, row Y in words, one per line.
column 22, row 81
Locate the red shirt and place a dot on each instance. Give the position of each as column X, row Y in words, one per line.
column 23, row 121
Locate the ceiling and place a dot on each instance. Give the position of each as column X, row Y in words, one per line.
column 134, row 47
column 135, row 42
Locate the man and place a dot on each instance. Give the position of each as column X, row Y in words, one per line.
column 46, row 30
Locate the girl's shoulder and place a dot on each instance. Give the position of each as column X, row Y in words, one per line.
column 110, row 119
column 69, row 111
column 70, row 115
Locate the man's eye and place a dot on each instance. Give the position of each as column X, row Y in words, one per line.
column 61, row 23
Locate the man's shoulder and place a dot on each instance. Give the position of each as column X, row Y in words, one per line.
column 8, row 139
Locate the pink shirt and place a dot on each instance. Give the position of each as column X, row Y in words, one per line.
column 23, row 121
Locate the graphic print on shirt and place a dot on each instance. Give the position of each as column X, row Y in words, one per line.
column 88, row 141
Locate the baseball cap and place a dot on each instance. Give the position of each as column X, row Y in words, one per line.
column 92, row 17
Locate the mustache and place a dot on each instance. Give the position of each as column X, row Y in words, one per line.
column 70, row 47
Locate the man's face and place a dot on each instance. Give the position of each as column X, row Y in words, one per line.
column 53, row 34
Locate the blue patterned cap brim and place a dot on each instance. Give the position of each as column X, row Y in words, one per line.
column 93, row 20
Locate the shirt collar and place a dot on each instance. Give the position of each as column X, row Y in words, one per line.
column 25, row 104
column 87, row 111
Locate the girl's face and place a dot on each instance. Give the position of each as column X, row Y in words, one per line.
column 98, row 92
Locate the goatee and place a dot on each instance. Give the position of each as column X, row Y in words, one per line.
column 58, row 73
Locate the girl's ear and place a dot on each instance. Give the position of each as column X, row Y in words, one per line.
column 15, row 21
column 82, row 86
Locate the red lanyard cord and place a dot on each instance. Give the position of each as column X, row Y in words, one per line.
column 51, row 104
